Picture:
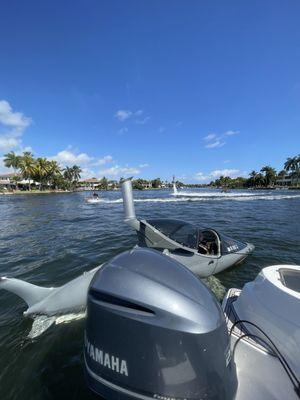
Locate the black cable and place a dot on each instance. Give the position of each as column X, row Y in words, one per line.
column 270, row 340
column 278, row 354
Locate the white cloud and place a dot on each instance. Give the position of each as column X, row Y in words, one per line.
column 8, row 142
column 13, row 119
column 232, row 173
column 103, row 160
column 122, row 115
column 214, row 141
column 231, row 133
column 12, row 126
column 143, row 121
column 69, row 157
column 117, row 171
column 89, row 165
column 2, row 167
column 200, row 176
column 217, row 143
column 87, row 173
column 209, row 137
column 182, row 177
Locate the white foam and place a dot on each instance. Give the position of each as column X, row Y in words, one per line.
column 42, row 322
column 214, row 194
column 235, row 197
column 65, row 319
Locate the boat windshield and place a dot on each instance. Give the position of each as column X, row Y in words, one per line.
column 290, row 278
column 180, row 231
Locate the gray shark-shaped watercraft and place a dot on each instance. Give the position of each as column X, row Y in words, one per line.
column 204, row 251
column 51, row 305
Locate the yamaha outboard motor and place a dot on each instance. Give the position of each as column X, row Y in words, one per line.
column 154, row 330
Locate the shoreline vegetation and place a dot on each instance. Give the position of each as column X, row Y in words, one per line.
column 40, row 175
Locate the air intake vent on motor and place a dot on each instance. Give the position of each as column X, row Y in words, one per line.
column 111, row 301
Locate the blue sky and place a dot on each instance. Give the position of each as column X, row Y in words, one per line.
column 152, row 88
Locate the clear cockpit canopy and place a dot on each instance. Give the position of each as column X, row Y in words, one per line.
column 205, row 241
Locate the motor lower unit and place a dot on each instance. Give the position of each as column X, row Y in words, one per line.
column 154, row 330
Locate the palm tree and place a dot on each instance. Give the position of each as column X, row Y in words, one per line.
column 253, row 178
column 54, row 173
column 68, row 175
column 27, row 166
column 298, row 167
column 260, row 179
column 11, row 160
column 104, row 183
column 293, row 164
column 41, row 170
column 72, row 174
column 76, row 173
column 270, row 175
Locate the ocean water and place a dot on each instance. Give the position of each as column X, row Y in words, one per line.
column 50, row 239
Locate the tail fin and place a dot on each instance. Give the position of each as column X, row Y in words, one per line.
column 31, row 294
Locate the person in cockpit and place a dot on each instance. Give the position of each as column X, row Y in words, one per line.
column 207, row 245
column 202, row 245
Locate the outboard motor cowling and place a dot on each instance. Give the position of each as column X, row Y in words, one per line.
column 154, row 330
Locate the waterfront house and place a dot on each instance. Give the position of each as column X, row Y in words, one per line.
column 7, row 181
column 287, row 180
column 90, row 183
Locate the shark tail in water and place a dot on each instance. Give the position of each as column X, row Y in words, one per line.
column 30, row 293
column 51, row 305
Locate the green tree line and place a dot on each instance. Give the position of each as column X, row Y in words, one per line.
column 47, row 173
column 266, row 177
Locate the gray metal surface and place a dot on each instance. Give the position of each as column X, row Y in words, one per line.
column 260, row 374
column 275, row 308
column 129, row 209
column 154, row 314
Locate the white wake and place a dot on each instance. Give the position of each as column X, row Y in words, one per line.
column 198, row 198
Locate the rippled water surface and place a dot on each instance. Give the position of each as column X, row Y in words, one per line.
column 50, row 239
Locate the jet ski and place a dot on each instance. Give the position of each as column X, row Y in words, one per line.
column 94, row 199
column 204, row 251
column 156, row 331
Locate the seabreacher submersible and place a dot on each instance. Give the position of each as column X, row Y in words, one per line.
column 204, row 251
